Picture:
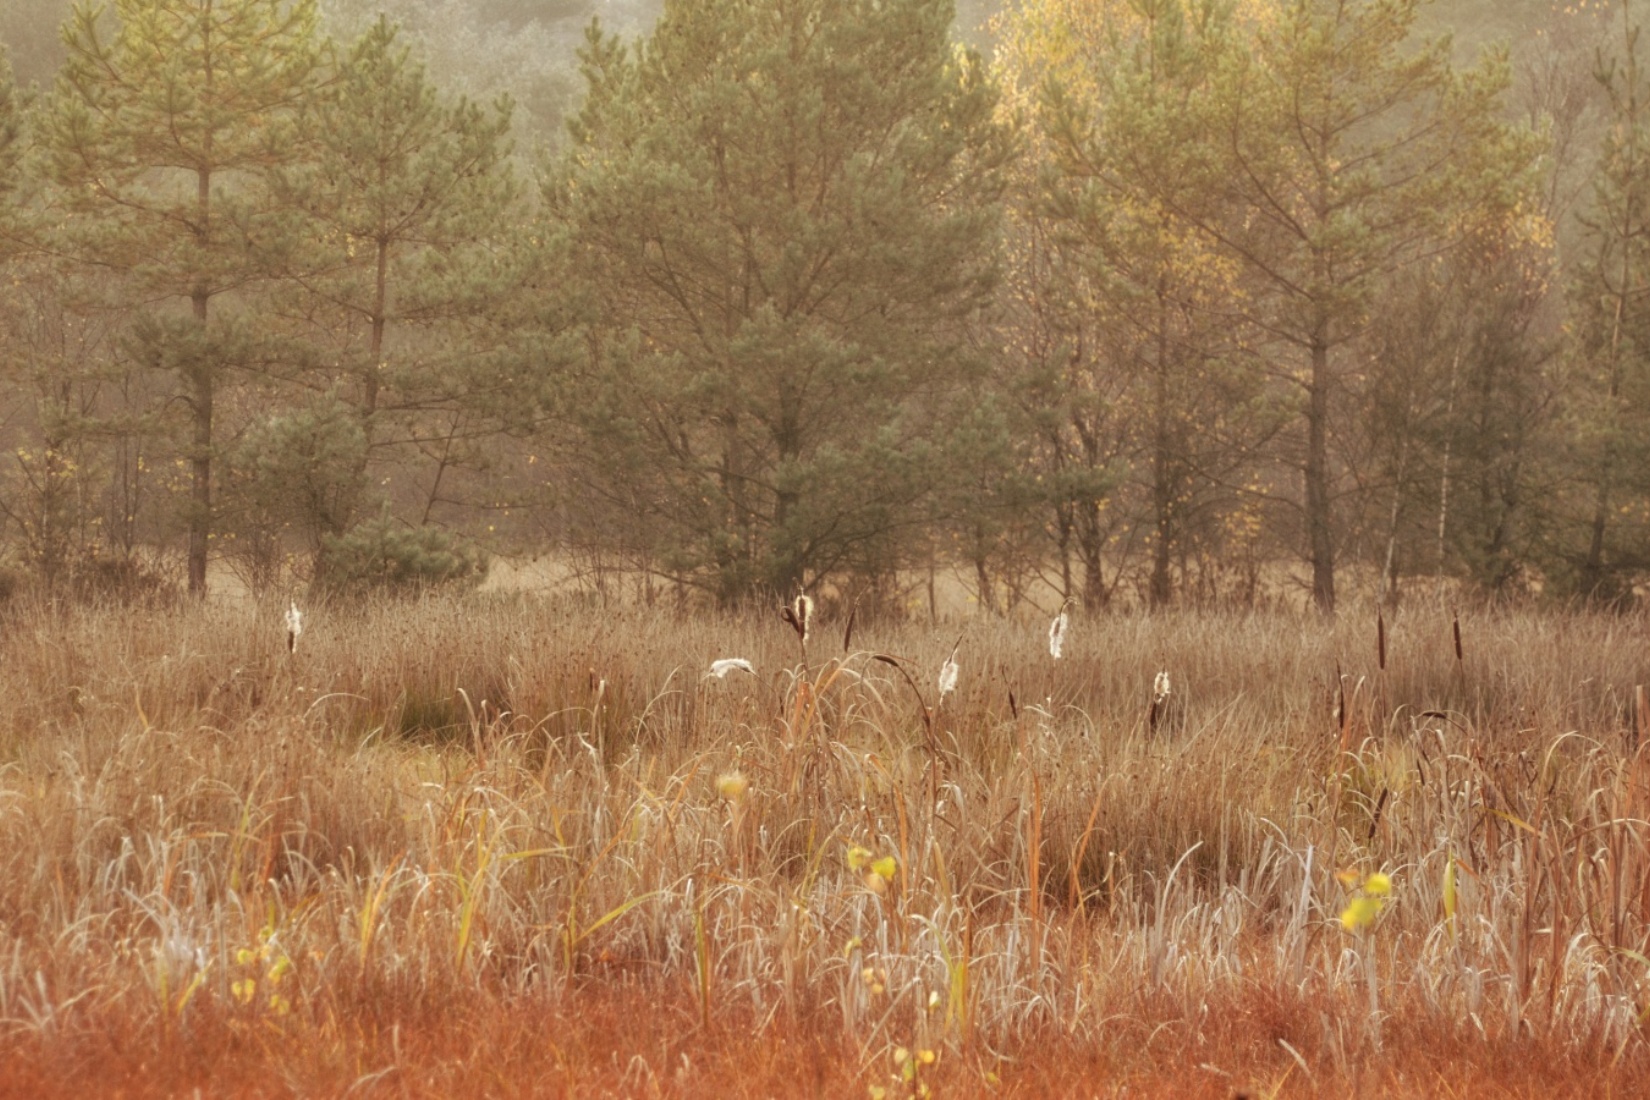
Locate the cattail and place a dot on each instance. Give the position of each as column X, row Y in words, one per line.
column 1160, row 695
column 294, row 626
column 721, row 668
column 948, row 675
column 1380, row 639
column 1057, row 634
column 799, row 614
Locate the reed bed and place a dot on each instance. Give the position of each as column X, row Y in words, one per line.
column 502, row 846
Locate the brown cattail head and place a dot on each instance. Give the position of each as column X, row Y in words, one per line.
column 1455, row 627
column 1641, row 717
column 1342, row 718
column 1380, row 639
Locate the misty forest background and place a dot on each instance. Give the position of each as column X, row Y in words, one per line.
column 1126, row 301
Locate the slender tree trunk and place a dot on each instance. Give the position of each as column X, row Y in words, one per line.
column 202, row 397
column 1319, row 529
column 786, row 568
column 200, row 512
column 1062, row 526
column 1389, row 571
column 1593, row 566
column 440, row 470
column 1592, row 570
column 1444, row 470
column 380, row 299
column 1090, row 536
column 1161, row 590
column 982, row 577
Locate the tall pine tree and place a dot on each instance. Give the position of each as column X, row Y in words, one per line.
column 785, row 207
column 394, row 256
column 1351, row 152
column 1155, row 368
column 1611, row 408
column 400, row 196
column 166, row 119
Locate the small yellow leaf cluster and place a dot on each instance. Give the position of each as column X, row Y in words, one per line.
column 875, row 872
column 909, row 1065
column 268, row 964
column 1371, row 898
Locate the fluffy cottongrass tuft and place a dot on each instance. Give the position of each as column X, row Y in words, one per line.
column 948, row 674
column 498, row 847
column 294, row 626
column 1057, row 635
column 721, row 668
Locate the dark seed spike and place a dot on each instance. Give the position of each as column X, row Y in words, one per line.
column 1380, row 638
column 1375, row 818
column 848, row 634
column 1340, row 700
column 1641, row 715
column 1455, row 626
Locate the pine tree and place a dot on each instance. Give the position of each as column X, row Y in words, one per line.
column 786, row 208
column 394, row 257
column 401, row 195
column 161, row 134
column 1351, row 153
column 1611, row 411
column 11, row 129
column 13, row 202
column 1145, row 293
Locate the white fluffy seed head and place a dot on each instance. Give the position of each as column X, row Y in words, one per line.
column 721, row 668
column 294, row 625
column 1057, row 635
column 948, row 676
column 1160, row 686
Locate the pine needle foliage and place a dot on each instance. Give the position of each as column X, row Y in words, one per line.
column 787, row 210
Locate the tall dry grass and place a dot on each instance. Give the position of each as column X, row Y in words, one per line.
column 497, row 847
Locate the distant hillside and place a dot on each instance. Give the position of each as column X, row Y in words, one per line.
column 526, row 47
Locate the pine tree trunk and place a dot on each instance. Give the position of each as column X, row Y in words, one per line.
column 200, row 512
column 1319, row 530
column 1161, row 588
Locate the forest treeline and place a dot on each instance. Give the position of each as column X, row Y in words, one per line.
column 1145, row 301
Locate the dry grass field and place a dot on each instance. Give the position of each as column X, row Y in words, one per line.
column 497, row 846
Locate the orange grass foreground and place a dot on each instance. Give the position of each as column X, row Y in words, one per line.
column 499, row 847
